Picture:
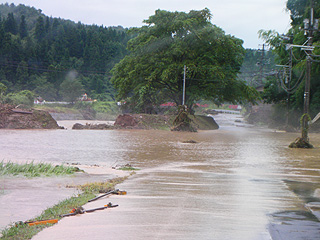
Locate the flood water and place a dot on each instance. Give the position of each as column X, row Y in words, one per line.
column 237, row 182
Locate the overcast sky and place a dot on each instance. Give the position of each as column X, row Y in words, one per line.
column 241, row 18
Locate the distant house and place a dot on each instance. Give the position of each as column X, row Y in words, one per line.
column 168, row 104
column 39, row 100
column 235, row 107
column 85, row 98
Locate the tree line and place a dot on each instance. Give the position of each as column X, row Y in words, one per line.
column 286, row 89
column 52, row 56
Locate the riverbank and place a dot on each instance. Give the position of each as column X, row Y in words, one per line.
column 17, row 117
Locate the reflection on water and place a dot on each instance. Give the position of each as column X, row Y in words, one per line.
column 231, row 184
column 86, row 147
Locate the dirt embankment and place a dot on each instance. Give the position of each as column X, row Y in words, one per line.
column 17, row 118
column 149, row 121
column 143, row 121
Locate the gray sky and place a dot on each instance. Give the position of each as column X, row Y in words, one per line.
column 241, row 18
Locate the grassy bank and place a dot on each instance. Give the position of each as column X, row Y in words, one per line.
column 35, row 169
column 89, row 191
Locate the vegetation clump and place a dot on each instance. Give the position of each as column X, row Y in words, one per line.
column 128, row 167
column 35, row 169
column 100, row 187
column 300, row 143
column 190, row 141
column 183, row 122
column 303, row 141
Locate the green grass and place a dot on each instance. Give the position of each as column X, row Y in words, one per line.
column 24, row 231
column 101, row 187
column 58, row 108
column 128, row 168
column 35, row 169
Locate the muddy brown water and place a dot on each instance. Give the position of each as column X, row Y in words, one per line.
column 237, row 182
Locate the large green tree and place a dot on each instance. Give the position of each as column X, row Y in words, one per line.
column 153, row 71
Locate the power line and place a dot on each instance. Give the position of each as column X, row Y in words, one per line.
column 295, row 87
column 42, row 68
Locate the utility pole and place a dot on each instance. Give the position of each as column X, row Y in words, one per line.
column 259, row 80
column 184, row 86
column 309, row 26
column 288, row 92
column 287, row 75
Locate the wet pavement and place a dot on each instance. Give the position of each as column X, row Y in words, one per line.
column 235, row 183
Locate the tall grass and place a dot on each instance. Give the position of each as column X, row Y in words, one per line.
column 35, row 169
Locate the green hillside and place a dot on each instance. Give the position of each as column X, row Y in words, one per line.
column 50, row 56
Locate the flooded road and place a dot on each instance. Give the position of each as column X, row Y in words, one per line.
column 234, row 183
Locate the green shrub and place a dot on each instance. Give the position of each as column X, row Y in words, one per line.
column 105, row 107
column 25, row 97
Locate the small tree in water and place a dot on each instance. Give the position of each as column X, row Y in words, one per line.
column 183, row 122
column 303, row 141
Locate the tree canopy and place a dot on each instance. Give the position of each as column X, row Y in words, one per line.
column 153, row 71
column 278, row 88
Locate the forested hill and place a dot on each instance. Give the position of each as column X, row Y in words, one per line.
column 38, row 53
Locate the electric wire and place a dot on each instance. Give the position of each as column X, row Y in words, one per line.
column 295, row 58
column 42, row 68
column 294, row 88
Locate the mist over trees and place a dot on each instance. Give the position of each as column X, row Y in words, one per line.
column 38, row 52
